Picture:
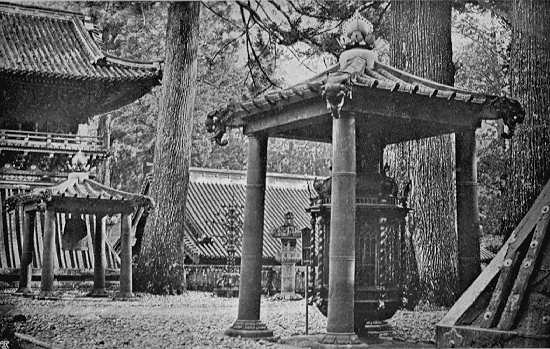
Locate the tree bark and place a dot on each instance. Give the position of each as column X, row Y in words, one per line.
column 420, row 42
column 160, row 265
column 529, row 161
column 529, row 165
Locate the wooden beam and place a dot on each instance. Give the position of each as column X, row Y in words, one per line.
column 520, row 233
column 442, row 113
column 280, row 120
column 91, row 205
column 524, row 274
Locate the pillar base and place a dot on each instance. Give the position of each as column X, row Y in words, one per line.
column 340, row 340
column 25, row 292
column 98, row 293
column 288, row 296
column 124, row 296
column 47, row 295
column 248, row 329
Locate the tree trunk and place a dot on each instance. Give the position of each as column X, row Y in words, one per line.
column 421, row 44
column 528, row 162
column 160, row 265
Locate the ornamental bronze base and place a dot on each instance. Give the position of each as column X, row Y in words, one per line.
column 340, row 340
column 248, row 329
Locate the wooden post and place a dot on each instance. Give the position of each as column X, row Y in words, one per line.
column 340, row 321
column 48, row 254
column 467, row 212
column 125, row 258
column 100, row 260
column 26, row 257
column 248, row 322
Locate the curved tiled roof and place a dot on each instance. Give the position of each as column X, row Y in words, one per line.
column 59, row 44
column 359, row 73
column 79, row 186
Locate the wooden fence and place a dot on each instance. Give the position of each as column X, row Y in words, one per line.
column 203, row 277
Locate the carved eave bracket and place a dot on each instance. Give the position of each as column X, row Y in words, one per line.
column 510, row 111
column 335, row 91
column 217, row 123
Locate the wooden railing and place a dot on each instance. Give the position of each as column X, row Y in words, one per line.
column 48, row 142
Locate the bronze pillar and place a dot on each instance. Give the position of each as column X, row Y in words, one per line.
column 248, row 322
column 26, row 257
column 467, row 209
column 340, row 319
column 125, row 258
column 48, row 254
column 100, row 260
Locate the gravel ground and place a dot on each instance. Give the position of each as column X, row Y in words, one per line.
column 193, row 319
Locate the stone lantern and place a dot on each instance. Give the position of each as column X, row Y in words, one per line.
column 290, row 255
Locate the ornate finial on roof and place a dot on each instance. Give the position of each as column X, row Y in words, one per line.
column 358, row 32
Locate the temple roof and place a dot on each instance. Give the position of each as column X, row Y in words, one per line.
column 209, row 190
column 374, row 90
column 54, row 72
column 57, row 44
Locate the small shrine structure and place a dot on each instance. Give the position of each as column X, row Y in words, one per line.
column 54, row 76
column 290, row 254
column 360, row 105
column 78, row 196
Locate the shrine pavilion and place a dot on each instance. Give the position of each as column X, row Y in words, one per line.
column 360, row 105
column 54, row 76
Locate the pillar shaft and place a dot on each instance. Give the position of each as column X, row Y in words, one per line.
column 46, row 284
column 125, row 257
column 342, row 227
column 248, row 319
column 26, row 258
column 99, row 258
column 467, row 209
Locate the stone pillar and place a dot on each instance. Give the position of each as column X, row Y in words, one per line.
column 248, row 322
column 48, row 254
column 288, row 279
column 99, row 259
column 342, row 241
column 467, row 211
column 26, row 258
column 125, row 258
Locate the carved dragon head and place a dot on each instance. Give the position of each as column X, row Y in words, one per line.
column 511, row 112
column 216, row 123
column 335, row 90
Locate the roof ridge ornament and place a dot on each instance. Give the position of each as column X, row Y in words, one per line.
column 357, row 33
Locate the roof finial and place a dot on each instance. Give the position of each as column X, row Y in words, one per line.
column 358, row 32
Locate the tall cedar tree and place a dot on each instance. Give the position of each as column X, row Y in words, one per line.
column 160, row 263
column 529, row 162
column 420, row 43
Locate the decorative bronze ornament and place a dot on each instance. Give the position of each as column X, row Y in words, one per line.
column 335, row 90
column 75, row 234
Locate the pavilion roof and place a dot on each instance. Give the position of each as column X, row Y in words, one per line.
column 376, row 89
column 57, row 44
column 78, row 188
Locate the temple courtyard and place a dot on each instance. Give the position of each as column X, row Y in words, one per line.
column 194, row 319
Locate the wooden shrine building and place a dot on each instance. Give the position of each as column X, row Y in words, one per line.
column 54, row 76
column 360, row 105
